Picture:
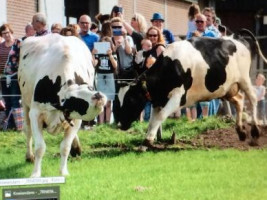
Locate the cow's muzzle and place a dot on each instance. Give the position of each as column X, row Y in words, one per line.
column 97, row 96
column 99, row 99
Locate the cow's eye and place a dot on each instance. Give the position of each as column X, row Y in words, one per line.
column 63, row 101
column 90, row 88
column 70, row 82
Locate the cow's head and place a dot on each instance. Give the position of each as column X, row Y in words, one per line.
column 129, row 104
column 156, row 84
column 76, row 101
column 81, row 102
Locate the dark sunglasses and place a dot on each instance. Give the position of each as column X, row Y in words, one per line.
column 115, row 27
column 84, row 23
column 152, row 35
column 199, row 22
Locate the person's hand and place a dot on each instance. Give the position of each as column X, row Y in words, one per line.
column 120, row 15
column 196, row 34
column 150, row 61
column 109, row 52
column 94, row 51
column 123, row 32
column 107, row 39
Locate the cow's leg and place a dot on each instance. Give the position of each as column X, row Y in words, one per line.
column 76, row 147
column 238, row 101
column 39, row 143
column 160, row 114
column 159, row 133
column 28, row 132
column 65, row 145
column 255, row 131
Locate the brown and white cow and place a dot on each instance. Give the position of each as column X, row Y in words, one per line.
column 56, row 80
column 200, row 69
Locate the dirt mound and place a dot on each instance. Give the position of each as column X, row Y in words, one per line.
column 227, row 138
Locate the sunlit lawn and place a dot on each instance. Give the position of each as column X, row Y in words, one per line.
column 111, row 167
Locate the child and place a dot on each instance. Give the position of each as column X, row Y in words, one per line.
column 105, row 65
column 141, row 57
column 260, row 92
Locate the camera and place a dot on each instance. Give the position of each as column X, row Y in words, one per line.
column 117, row 9
column 117, row 31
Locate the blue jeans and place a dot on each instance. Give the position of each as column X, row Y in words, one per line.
column 261, row 110
column 214, row 106
column 147, row 111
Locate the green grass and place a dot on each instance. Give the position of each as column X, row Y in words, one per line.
column 111, row 168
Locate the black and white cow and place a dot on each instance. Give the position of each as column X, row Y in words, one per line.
column 56, row 81
column 200, row 69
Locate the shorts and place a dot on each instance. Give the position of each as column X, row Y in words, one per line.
column 105, row 83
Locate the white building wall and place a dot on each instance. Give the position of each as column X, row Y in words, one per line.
column 54, row 10
column 3, row 12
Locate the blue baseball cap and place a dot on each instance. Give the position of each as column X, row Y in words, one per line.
column 157, row 16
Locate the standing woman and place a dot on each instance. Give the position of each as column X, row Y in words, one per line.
column 137, row 29
column 192, row 12
column 5, row 47
column 156, row 37
column 9, row 79
column 124, row 49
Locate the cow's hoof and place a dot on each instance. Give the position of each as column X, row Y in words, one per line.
column 75, row 151
column 30, row 159
column 64, row 173
column 254, row 142
column 36, row 175
column 148, row 143
column 241, row 133
column 173, row 138
column 142, row 148
column 255, row 131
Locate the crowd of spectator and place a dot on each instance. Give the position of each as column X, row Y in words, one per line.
column 130, row 49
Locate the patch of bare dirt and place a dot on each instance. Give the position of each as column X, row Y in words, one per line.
column 227, row 138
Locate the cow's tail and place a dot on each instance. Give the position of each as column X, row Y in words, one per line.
column 249, row 33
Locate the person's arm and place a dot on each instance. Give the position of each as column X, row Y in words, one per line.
column 94, row 60
column 159, row 50
column 128, row 28
column 172, row 39
column 113, row 61
column 128, row 48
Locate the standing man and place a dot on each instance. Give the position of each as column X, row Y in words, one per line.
column 29, row 31
column 202, row 31
column 87, row 36
column 39, row 24
column 157, row 20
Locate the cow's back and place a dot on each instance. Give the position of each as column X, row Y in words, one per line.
column 53, row 57
column 214, row 64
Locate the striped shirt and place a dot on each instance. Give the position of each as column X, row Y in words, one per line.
column 4, row 51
